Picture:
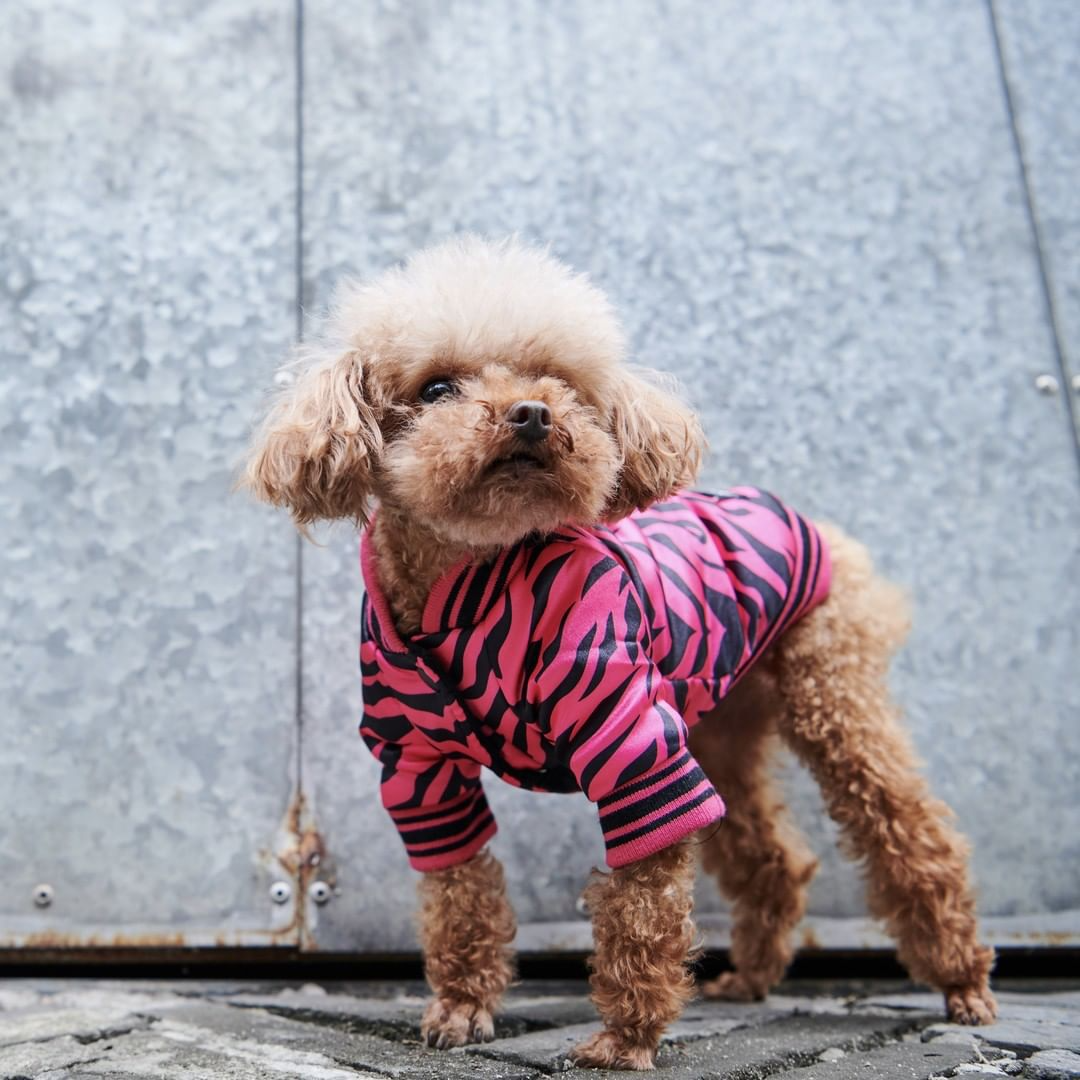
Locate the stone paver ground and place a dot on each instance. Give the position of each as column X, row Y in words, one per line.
column 59, row 1029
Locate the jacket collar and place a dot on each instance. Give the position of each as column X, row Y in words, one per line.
column 460, row 597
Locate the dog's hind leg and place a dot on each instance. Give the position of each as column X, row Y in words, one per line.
column 643, row 936
column 760, row 862
column 466, row 927
column 841, row 723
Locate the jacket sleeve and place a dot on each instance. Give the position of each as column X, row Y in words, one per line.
column 599, row 698
column 435, row 800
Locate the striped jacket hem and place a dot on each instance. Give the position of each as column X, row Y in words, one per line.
column 657, row 810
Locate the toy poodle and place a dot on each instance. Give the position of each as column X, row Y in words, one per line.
column 547, row 598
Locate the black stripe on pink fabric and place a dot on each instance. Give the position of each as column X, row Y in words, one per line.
column 424, row 780
column 482, row 823
column 659, row 823
column 496, row 639
column 408, row 817
column 604, row 755
column 470, row 604
column 616, row 819
column 794, row 600
column 624, row 793
column 571, row 740
column 765, row 499
column 542, row 586
column 556, row 644
column 770, row 556
column 686, row 522
column 596, row 573
column 460, row 820
column 604, row 651
column 451, row 599
column 641, row 764
column 615, row 548
column 570, row 681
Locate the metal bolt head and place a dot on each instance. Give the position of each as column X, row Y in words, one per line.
column 284, row 378
column 280, row 892
column 43, row 895
column 320, row 892
column 581, row 907
column 1046, row 384
column 1074, row 382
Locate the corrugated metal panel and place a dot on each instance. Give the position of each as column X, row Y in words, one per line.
column 1039, row 46
column 812, row 213
column 147, row 204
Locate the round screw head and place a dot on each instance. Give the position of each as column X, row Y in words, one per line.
column 320, row 892
column 284, row 378
column 581, row 907
column 280, row 892
column 43, row 895
column 1046, row 384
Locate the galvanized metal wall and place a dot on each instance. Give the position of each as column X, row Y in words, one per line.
column 816, row 214
column 147, row 206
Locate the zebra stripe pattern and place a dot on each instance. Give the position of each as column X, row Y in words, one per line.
column 577, row 662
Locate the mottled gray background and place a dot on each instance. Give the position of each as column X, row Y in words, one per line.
column 851, row 229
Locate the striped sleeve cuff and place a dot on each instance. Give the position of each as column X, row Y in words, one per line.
column 657, row 810
column 442, row 836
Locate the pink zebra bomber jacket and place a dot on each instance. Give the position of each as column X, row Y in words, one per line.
column 577, row 661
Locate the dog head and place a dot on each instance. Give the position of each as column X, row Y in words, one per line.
column 479, row 389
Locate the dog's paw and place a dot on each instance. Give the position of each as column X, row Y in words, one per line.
column 971, row 1005
column 732, row 986
column 455, row 1023
column 605, row 1050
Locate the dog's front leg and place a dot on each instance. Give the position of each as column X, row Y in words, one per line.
column 466, row 927
column 643, row 937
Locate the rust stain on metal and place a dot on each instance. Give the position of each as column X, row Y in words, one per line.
column 1048, row 937
column 54, row 939
column 301, row 854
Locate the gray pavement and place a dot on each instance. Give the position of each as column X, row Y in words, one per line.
column 65, row 1028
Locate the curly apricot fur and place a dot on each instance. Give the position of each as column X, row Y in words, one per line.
column 759, row 859
column 644, row 939
column 823, row 689
column 466, row 929
column 840, row 721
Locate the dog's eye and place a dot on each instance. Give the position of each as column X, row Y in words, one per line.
column 436, row 390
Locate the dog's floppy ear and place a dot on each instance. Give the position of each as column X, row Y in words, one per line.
column 316, row 450
column 659, row 439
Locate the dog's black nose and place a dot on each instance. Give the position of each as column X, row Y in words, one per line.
column 531, row 420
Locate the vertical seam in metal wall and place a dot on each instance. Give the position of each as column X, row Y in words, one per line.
column 298, row 120
column 1036, row 231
